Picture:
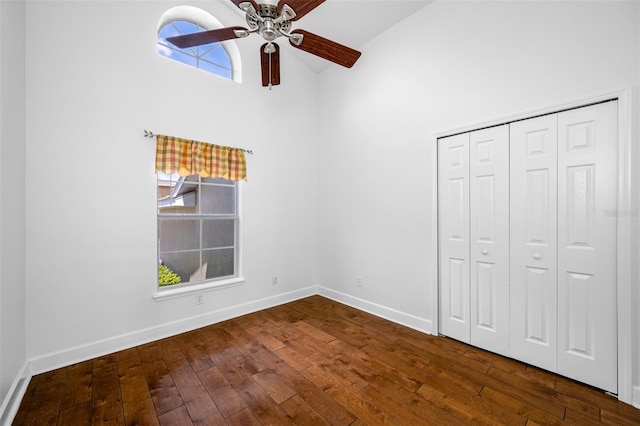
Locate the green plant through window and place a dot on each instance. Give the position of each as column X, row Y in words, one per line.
column 210, row 57
column 167, row 277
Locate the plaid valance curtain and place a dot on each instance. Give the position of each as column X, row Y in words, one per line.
column 186, row 157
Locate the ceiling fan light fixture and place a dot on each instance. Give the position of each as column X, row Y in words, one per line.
column 296, row 39
column 268, row 30
column 287, row 13
column 241, row 33
column 247, row 7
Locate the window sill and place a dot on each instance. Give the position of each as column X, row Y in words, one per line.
column 173, row 293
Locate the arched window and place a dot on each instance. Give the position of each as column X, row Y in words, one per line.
column 216, row 58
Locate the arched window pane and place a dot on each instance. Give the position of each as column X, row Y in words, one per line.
column 215, row 69
column 217, row 55
column 185, row 58
column 212, row 57
column 185, row 27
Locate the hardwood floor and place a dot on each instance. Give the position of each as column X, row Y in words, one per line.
column 309, row 362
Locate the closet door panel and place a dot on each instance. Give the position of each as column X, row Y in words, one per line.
column 453, row 217
column 587, row 307
column 489, row 238
column 533, row 271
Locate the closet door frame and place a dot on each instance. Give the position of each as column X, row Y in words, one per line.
column 623, row 214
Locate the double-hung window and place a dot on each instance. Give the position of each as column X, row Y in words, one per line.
column 198, row 226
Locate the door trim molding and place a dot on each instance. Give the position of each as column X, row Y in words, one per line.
column 624, row 215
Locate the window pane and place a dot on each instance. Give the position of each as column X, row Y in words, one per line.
column 218, row 200
column 219, row 263
column 164, row 195
column 166, row 186
column 184, row 264
column 211, row 57
column 218, row 56
column 180, row 234
column 179, row 197
column 185, row 27
column 167, row 31
column 219, row 181
column 164, row 50
column 215, row 69
column 218, row 233
column 215, row 264
column 169, row 178
column 184, row 58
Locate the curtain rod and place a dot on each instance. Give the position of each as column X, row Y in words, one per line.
column 148, row 134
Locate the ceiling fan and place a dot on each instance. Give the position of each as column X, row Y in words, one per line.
column 272, row 21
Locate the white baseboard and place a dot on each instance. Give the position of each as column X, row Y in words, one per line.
column 99, row 348
column 11, row 403
column 636, row 396
column 421, row 324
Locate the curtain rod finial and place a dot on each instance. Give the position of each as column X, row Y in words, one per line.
column 148, row 134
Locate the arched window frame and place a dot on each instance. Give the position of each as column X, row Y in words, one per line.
column 208, row 22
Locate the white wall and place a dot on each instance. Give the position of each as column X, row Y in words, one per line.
column 94, row 82
column 12, row 188
column 449, row 65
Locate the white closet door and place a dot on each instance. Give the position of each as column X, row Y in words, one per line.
column 489, row 238
column 533, row 272
column 453, row 216
column 587, row 188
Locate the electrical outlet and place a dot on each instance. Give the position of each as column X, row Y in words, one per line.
column 199, row 299
column 274, row 280
column 359, row 281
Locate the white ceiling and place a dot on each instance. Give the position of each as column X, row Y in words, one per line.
column 348, row 22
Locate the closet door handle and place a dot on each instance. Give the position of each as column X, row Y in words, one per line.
column 536, row 256
column 485, row 252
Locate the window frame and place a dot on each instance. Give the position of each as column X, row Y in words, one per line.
column 208, row 22
column 187, row 288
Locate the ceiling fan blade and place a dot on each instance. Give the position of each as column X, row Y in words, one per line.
column 270, row 66
column 326, row 49
column 301, row 7
column 205, row 37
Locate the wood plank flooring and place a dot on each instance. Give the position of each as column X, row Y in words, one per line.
column 311, row 362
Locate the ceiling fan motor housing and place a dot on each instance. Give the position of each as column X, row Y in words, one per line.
column 269, row 24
